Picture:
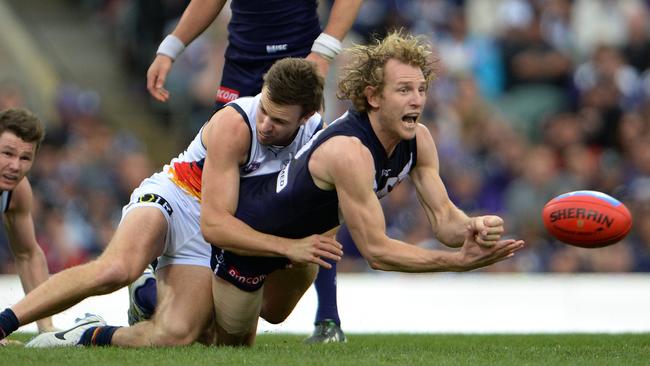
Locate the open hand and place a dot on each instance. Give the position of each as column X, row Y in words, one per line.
column 474, row 255
column 315, row 249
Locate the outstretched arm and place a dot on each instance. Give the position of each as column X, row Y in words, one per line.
column 196, row 18
column 227, row 139
column 30, row 259
column 447, row 221
column 341, row 18
column 364, row 217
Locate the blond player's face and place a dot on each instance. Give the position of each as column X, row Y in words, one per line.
column 402, row 99
column 277, row 124
column 16, row 159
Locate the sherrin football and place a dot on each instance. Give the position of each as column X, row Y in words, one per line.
column 587, row 219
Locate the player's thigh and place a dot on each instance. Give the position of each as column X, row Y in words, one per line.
column 184, row 311
column 236, row 313
column 283, row 289
column 138, row 240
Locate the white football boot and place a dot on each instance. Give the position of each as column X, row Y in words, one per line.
column 68, row 337
column 136, row 313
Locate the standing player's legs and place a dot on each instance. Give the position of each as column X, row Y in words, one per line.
column 139, row 238
column 327, row 323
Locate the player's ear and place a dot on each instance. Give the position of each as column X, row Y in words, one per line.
column 370, row 92
column 306, row 117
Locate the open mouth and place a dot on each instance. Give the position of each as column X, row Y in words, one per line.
column 410, row 118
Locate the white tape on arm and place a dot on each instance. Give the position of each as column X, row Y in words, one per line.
column 327, row 46
column 171, row 46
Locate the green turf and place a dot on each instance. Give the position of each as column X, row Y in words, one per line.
column 398, row 349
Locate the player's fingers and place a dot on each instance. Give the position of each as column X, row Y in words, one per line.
column 152, row 75
column 488, row 239
column 326, row 254
column 485, row 243
column 476, row 225
column 335, row 250
column 492, row 221
column 321, row 263
column 510, row 246
column 326, row 240
column 160, row 80
column 160, row 95
column 164, row 94
column 493, row 230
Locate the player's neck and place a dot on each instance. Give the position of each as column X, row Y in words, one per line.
column 389, row 139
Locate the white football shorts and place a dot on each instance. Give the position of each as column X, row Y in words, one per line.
column 184, row 243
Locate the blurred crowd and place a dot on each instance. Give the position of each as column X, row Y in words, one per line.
column 533, row 98
column 83, row 174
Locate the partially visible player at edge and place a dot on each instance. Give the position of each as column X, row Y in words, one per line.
column 21, row 134
column 248, row 137
column 260, row 32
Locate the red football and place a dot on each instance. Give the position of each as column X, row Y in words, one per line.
column 587, row 219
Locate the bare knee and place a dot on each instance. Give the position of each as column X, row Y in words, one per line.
column 111, row 276
column 274, row 317
column 174, row 335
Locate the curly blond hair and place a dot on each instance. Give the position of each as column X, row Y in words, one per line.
column 366, row 67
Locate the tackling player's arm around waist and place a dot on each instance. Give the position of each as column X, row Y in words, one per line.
column 227, row 135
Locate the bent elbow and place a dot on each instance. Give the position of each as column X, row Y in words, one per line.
column 376, row 265
column 378, row 262
column 213, row 232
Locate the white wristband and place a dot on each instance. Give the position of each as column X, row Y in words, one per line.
column 327, row 46
column 171, row 46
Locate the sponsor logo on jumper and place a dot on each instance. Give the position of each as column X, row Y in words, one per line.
column 392, row 182
column 225, row 95
column 152, row 197
column 582, row 214
column 251, row 167
column 282, row 179
column 248, row 280
column 273, row 48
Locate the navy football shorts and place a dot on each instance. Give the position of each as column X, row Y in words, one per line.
column 240, row 80
column 246, row 273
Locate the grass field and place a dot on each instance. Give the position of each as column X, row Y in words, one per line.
column 361, row 350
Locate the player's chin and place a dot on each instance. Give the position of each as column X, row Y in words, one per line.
column 7, row 184
column 408, row 130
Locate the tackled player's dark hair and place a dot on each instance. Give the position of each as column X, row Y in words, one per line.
column 24, row 124
column 295, row 81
